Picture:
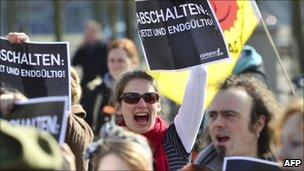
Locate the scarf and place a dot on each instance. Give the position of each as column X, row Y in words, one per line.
column 108, row 80
column 156, row 136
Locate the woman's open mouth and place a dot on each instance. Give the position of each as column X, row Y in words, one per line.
column 141, row 119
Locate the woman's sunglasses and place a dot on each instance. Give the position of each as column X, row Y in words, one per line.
column 134, row 98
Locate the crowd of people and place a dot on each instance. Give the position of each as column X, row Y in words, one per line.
column 117, row 125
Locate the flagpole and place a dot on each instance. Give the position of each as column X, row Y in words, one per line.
column 278, row 56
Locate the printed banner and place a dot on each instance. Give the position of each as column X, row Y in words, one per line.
column 35, row 69
column 179, row 34
column 249, row 164
column 46, row 113
column 238, row 20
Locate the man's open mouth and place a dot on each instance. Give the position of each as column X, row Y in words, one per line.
column 221, row 139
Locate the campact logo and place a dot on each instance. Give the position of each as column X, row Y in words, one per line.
column 292, row 162
column 208, row 55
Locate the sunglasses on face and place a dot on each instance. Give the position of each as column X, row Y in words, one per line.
column 134, row 98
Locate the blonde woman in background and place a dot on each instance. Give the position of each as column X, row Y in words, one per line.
column 119, row 149
column 122, row 57
column 291, row 128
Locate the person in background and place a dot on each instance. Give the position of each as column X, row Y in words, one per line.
column 136, row 101
column 251, row 61
column 238, row 122
column 92, row 57
column 119, row 149
column 122, row 57
column 92, row 54
column 291, row 129
column 79, row 134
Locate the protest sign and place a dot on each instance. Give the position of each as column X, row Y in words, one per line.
column 46, row 113
column 35, row 69
column 238, row 20
column 249, row 164
column 179, row 34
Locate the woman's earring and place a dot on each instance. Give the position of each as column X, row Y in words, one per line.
column 257, row 135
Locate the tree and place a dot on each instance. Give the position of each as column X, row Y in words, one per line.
column 297, row 26
column 58, row 17
column 113, row 18
column 130, row 19
column 11, row 14
column 96, row 8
